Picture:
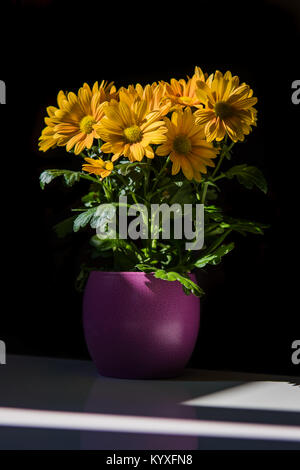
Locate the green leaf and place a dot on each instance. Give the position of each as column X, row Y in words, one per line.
column 214, row 213
column 211, row 194
column 189, row 286
column 90, row 199
column 145, row 268
column 82, row 278
column 83, row 219
column 218, row 242
column 187, row 283
column 184, row 195
column 248, row 176
column 126, row 168
column 242, row 226
column 101, row 244
column 64, row 228
column 103, row 216
column 215, row 257
column 70, row 177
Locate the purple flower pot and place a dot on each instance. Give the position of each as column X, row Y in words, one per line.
column 137, row 326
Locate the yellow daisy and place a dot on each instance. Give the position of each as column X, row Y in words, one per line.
column 129, row 130
column 228, row 107
column 98, row 167
column 72, row 123
column 183, row 93
column 187, row 146
column 153, row 94
column 47, row 139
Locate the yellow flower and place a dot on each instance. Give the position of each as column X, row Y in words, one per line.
column 153, row 94
column 187, row 146
column 183, row 93
column 228, row 107
column 47, row 140
column 129, row 130
column 72, row 123
column 98, row 167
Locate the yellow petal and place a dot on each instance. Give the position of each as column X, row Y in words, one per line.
column 149, row 152
column 137, row 150
column 187, row 168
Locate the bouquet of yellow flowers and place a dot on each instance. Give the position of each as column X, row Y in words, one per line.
column 155, row 148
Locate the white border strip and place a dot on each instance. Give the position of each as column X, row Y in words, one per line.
column 16, row 417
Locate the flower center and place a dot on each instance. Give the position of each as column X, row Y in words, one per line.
column 182, row 144
column 86, row 124
column 223, row 110
column 133, row 134
column 109, row 166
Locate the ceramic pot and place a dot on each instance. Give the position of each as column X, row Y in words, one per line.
column 137, row 326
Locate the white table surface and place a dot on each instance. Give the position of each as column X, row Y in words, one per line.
column 48, row 403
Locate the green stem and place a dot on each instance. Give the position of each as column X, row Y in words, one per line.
column 154, row 243
column 223, row 153
column 134, row 198
column 121, row 178
column 204, row 191
column 219, row 177
column 79, row 210
column 106, row 189
column 147, row 175
column 218, row 165
column 198, row 195
column 90, row 178
column 159, row 174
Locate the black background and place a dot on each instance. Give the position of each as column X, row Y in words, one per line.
column 250, row 315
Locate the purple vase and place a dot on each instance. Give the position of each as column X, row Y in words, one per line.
column 137, row 326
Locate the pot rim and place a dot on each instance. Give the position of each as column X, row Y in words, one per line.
column 131, row 273
column 111, row 273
